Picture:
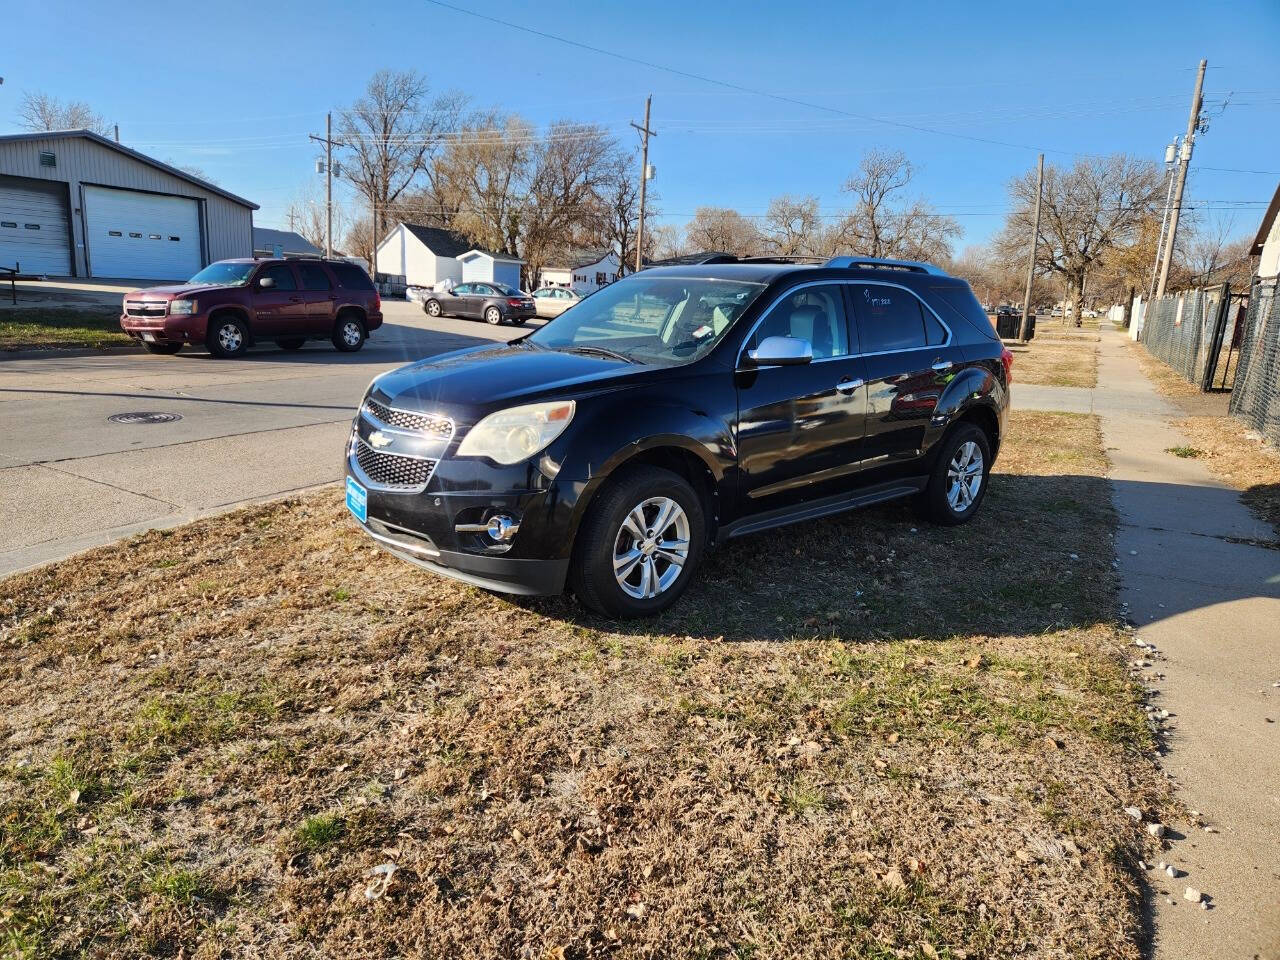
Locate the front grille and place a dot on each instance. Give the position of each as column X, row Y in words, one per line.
column 433, row 426
column 391, row 470
column 145, row 308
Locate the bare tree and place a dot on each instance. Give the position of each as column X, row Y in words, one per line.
column 306, row 215
column 41, row 112
column 793, row 227
column 724, row 230
column 1097, row 205
column 667, row 241
column 884, row 224
column 390, row 136
column 622, row 208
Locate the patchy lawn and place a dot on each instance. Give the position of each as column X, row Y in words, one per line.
column 867, row 737
column 41, row 328
column 1056, row 363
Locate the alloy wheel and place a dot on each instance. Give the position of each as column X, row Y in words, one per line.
column 964, row 476
column 651, row 547
column 229, row 337
column 351, row 333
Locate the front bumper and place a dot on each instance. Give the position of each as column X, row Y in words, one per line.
column 167, row 329
column 420, row 523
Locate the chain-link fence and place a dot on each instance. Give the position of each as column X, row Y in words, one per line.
column 1256, row 397
column 1183, row 330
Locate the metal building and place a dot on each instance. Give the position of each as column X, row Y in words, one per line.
column 75, row 204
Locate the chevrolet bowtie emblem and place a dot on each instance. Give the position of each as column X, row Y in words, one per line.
column 378, row 440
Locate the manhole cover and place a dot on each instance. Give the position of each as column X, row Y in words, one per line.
column 144, row 417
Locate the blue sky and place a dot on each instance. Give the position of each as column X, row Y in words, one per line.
column 234, row 88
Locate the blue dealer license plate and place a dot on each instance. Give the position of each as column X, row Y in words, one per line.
column 358, row 500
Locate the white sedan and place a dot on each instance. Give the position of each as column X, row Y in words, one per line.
column 553, row 301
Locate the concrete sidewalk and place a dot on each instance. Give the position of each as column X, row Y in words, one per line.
column 1208, row 599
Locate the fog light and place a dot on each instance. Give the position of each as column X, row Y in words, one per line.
column 502, row 528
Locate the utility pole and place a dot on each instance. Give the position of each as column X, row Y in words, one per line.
column 329, row 143
column 1031, row 263
column 1184, row 162
column 1170, row 159
column 645, row 134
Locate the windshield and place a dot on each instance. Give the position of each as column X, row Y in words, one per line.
column 651, row 319
column 224, row 275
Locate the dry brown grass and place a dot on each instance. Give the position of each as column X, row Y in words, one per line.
column 863, row 737
column 1056, row 363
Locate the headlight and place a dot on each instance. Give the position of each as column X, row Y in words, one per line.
column 181, row 307
column 510, row 436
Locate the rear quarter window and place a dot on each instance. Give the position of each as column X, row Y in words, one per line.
column 958, row 299
column 351, row 277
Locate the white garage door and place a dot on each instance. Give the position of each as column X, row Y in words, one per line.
column 33, row 228
column 145, row 236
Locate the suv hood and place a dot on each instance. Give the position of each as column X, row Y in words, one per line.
column 166, row 293
column 488, row 378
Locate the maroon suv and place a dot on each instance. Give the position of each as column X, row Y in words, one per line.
column 232, row 304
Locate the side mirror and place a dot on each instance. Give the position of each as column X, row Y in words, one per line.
column 781, row 352
column 266, row 283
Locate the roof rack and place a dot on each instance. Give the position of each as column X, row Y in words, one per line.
column 780, row 259
column 874, row 263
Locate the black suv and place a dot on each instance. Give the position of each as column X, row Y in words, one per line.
column 679, row 407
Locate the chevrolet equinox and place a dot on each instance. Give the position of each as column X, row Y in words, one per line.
column 678, row 408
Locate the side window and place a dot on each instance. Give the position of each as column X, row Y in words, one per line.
column 352, row 277
column 281, row 274
column 313, row 276
column 461, row 289
column 815, row 314
column 935, row 333
column 485, row 291
column 889, row 318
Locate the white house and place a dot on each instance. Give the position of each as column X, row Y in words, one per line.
column 422, row 255
column 490, row 267
column 583, row 271
column 1266, row 244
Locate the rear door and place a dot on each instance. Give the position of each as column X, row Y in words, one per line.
column 910, row 359
column 800, row 428
column 317, row 295
column 279, row 310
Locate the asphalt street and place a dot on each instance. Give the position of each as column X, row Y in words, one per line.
column 251, row 429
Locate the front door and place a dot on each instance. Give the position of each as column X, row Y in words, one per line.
column 910, row 361
column 800, row 428
column 455, row 301
column 279, row 309
column 318, row 296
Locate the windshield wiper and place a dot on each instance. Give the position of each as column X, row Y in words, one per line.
column 603, row 352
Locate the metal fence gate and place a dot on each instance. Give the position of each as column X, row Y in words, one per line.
column 1256, row 398
column 1188, row 330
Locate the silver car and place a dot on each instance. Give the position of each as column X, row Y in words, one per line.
column 553, row 301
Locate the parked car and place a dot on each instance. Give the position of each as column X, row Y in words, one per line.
column 675, row 409
column 1057, row 312
column 490, row 302
column 1089, row 314
column 232, row 304
column 553, row 301
column 416, row 293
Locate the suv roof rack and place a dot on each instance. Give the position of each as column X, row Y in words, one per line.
column 874, row 263
column 779, row 258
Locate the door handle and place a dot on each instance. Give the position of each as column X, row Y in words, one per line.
column 848, row 386
column 942, row 366
column 295, row 299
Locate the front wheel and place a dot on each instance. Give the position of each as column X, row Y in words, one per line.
column 165, row 348
column 958, row 482
column 348, row 335
column 639, row 545
column 228, row 337
column 432, row 308
column 492, row 316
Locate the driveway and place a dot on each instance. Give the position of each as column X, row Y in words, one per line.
column 252, row 429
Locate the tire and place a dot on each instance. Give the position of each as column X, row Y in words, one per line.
column 606, row 536
column 432, row 308
column 228, row 337
column 169, row 349
column 492, row 316
column 519, row 321
column 348, row 333
column 946, row 501
column 293, row 343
